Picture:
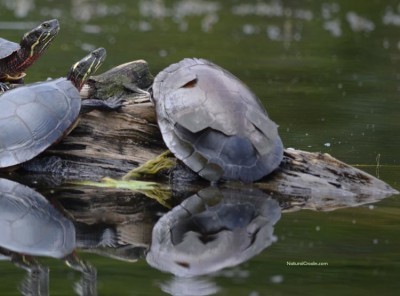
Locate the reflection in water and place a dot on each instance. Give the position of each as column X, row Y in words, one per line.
column 213, row 229
column 29, row 224
column 179, row 286
column 126, row 241
column 36, row 281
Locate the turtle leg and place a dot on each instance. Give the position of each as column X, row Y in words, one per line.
column 110, row 104
column 3, row 87
column 164, row 161
column 25, row 262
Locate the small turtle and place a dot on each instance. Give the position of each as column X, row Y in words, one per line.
column 212, row 122
column 16, row 58
column 35, row 116
column 125, row 79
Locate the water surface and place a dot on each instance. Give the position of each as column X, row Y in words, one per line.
column 327, row 73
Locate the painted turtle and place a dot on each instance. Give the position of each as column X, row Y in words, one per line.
column 16, row 58
column 30, row 225
column 34, row 116
column 213, row 229
column 212, row 122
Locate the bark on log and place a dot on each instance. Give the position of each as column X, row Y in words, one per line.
column 112, row 143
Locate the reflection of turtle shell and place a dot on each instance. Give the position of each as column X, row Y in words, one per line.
column 30, row 225
column 212, row 230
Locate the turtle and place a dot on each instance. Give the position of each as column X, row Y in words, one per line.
column 34, row 116
column 30, row 225
column 213, row 229
column 212, row 122
column 16, row 58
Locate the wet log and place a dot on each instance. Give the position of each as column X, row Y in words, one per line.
column 112, row 143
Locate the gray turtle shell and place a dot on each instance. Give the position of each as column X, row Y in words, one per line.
column 212, row 122
column 213, row 229
column 7, row 48
column 35, row 116
column 30, row 225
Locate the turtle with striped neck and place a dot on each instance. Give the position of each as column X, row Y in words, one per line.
column 16, row 58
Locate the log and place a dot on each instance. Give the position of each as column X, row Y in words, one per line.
column 112, row 143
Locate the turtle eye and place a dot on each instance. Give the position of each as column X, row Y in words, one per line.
column 190, row 84
column 46, row 25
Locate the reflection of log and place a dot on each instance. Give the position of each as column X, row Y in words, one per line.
column 112, row 143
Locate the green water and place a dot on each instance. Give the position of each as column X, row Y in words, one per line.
column 328, row 74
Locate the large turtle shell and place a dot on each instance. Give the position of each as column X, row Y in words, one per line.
column 30, row 225
column 212, row 122
column 35, row 116
column 7, row 48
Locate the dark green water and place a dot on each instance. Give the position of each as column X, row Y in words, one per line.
column 328, row 74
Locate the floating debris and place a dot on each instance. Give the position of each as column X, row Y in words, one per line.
column 329, row 9
column 273, row 9
column 91, row 29
column 249, row 29
column 153, row 9
column 87, row 47
column 20, row 8
column 358, row 23
column 391, row 18
column 162, row 53
column 144, row 26
column 276, row 279
column 274, row 32
column 195, row 7
column 303, row 14
column 84, row 11
column 333, row 27
column 209, row 21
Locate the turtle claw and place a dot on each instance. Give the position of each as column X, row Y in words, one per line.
column 4, row 87
column 110, row 104
column 114, row 103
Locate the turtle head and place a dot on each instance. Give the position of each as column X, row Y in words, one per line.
column 38, row 39
column 87, row 66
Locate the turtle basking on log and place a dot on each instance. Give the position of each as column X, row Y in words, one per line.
column 37, row 115
column 212, row 122
column 16, row 58
column 103, row 145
